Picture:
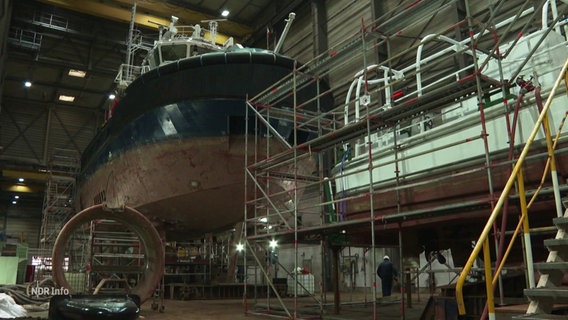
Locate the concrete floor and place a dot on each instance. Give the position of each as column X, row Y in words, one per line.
column 389, row 308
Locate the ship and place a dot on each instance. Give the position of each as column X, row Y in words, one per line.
column 173, row 147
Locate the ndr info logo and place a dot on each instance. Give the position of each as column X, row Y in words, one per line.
column 46, row 291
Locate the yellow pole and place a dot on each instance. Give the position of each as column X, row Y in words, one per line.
column 488, row 279
column 553, row 174
column 526, row 229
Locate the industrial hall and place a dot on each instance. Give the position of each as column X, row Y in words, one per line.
column 257, row 159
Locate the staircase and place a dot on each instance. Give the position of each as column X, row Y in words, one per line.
column 550, row 291
column 115, row 258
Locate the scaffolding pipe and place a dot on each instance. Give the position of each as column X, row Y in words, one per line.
column 296, row 216
column 391, row 218
column 533, row 49
column 245, row 209
column 267, row 277
column 269, row 126
column 371, row 188
column 267, row 197
column 454, row 167
column 486, row 251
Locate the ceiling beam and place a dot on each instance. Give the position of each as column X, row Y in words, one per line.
column 114, row 10
column 22, row 188
column 192, row 16
column 25, row 174
column 109, row 11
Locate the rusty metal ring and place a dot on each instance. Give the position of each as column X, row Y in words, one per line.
column 153, row 267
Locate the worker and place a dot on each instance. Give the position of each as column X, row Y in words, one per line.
column 387, row 272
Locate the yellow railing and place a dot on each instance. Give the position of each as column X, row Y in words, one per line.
column 483, row 241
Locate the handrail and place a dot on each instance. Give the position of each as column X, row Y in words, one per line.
column 488, row 227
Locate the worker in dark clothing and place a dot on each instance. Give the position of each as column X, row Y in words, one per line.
column 387, row 273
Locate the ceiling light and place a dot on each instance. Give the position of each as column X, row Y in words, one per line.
column 225, row 13
column 20, row 179
column 111, row 96
column 16, row 197
column 19, row 188
column 14, row 202
column 240, row 247
column 66, row 98
column 77, row 73
column 27, row 84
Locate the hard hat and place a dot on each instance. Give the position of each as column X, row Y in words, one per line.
column 386, row 258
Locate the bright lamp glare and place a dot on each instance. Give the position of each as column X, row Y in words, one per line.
column 111, row 96
column 240, row 247
column 225, row 13
column 273, row 244
column 27, row 84
column 77, row 73
column 65, row 98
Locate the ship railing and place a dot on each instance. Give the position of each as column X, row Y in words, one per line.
column 186, row 32
column 202, row 36
column 463, row 103
column 516, row 176
column 391, row 75
column 126, row 74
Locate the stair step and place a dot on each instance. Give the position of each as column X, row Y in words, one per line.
column 539, row 316
column 561, row 222
column 556, row 244
column 551, row 266
column 555, row 294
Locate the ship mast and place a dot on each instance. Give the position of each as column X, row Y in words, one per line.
column 129, row 40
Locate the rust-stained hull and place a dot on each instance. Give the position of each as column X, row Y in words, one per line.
column 191, row 185
column 187, row 187
column 175, row 147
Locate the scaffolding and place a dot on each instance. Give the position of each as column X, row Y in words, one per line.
column 425, row 133
column 116, row 261
column 58, row 205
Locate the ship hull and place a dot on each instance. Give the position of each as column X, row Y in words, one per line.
column 175, row 149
